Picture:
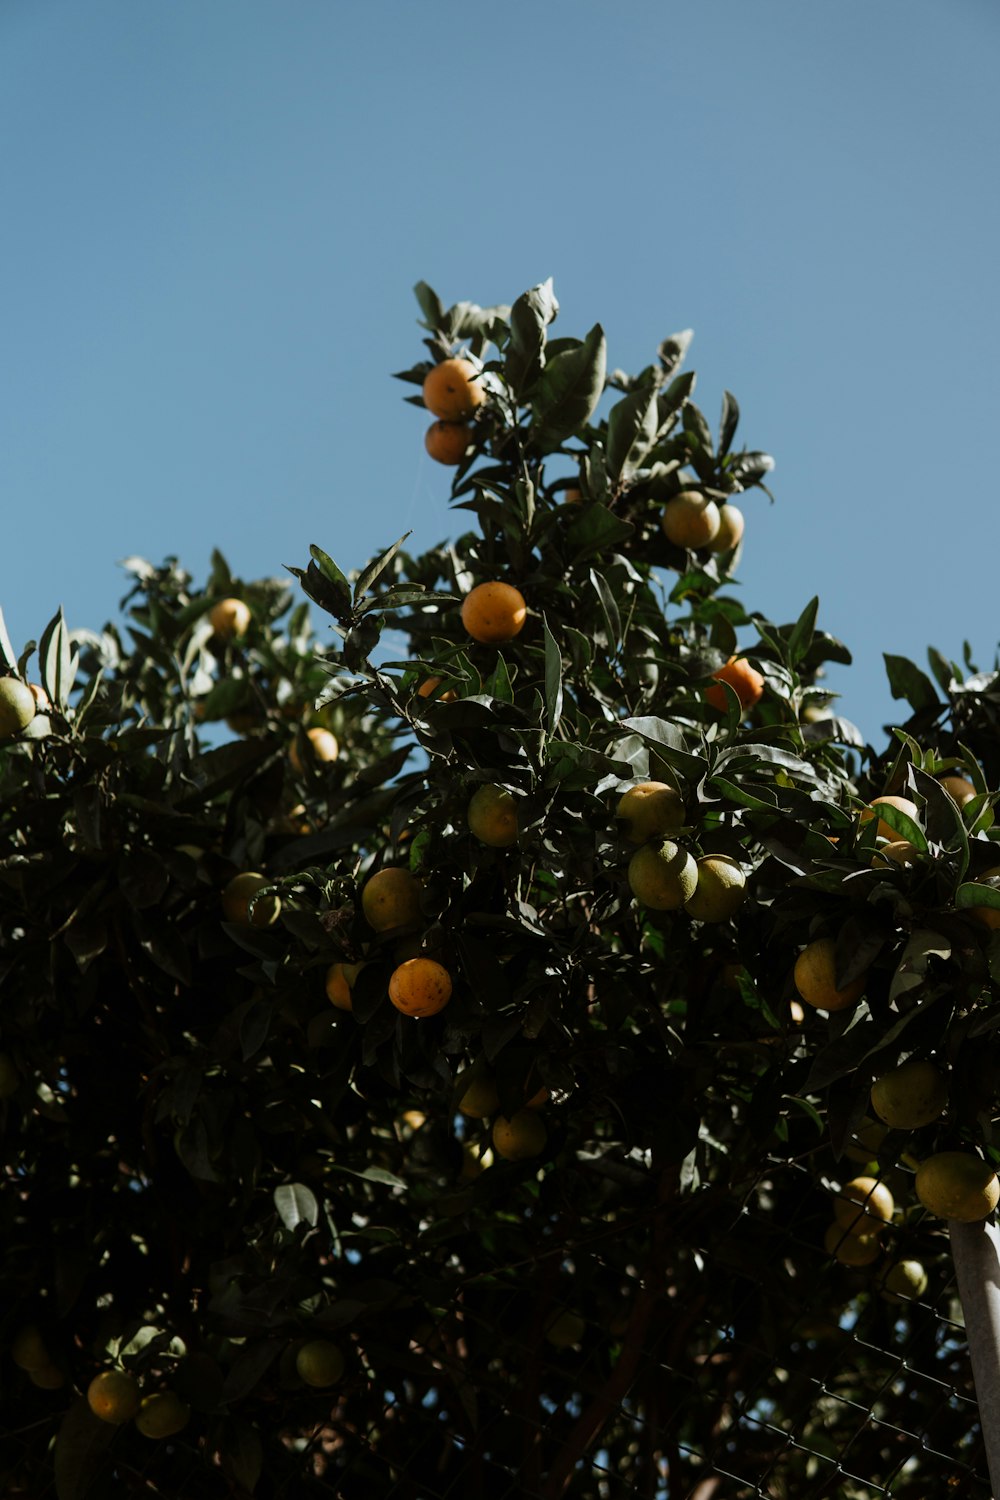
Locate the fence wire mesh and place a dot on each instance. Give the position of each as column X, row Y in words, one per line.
column 572, row 1372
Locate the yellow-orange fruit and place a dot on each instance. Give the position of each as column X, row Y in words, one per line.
column 957, row 1185
column 430, row 685
column 453, row 389
column 745, row 680
column 340, row 980
column 521, row 1137
column 851, row 1249
column 28, row 1349
column 721, row 889
column 910, row 1096
column 730, row 532
column 113, row 1396
column 493, row 613
column 17, row 706
column 480, row 1098
column 649, row 810
column 162, row 1415
column 884, row 829
column 690, row 520
column 448, row 442
column 325, row 748
column 988, row 916
column 391, row 898
column 958, row 788
column 420, row 987
column 863, row 1206
column 816, row 978
column 492, row 816
column 230, row 619
column 237, row 896
column 319, row 1363
column 898, row 852
column 662, row 876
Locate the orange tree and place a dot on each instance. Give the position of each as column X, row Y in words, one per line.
column 475, row 1097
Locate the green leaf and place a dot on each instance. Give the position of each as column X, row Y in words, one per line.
column 553, row 679
column 569, row 389
column 632, row 427
column 907, row 681
column 430, row 305
column 373, row 570
column 328, row 567
column 531, row 314
column 240, row 1452
column 597, row 530
column 977, row 893
column 7, row 656
column 296, row 1204
column 697, row 429
column 801, row 637
column 673, row 349
column 57, row 664
column 81, row 1443
column 609, row 609
column 728, row 422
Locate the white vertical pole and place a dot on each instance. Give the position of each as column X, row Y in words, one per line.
column 975, row 1250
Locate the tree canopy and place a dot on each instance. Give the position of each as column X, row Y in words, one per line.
column 491, row 1139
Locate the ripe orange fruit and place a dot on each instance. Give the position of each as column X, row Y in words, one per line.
column 899, row 852
column 493, row 613
column 573, row 495
column 850, row 1249
column 816, row 978
column 28, row 1349
column 522, row 1136
column 324, row 748
column 453, row 389
column 721, row 889
column 746, row 682
column 649, row 810
column 862, row 1206
column 162, row 1415
column 689, row 520
column 17, row 706
column 958, row 788
column 113, row 1396
column 730, row 532
column 492, row 816
column 237, row 896
column 884, row 829
column 448, row 442
column 47, row 1377
column 420, row 987
column 41, row 697
column 229, row 619
column 319, row 1363
column 912, row 1095
column 480, row 1098
column 662, row 876
column 391, row 899
column 957, row 1185
column 430, row 685
column 989, row 916
column 340, row 979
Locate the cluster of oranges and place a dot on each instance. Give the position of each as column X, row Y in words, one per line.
column 453, row 390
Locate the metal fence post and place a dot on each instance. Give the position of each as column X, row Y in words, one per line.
column 975, row 1249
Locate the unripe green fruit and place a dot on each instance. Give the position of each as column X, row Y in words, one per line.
column 17, row 706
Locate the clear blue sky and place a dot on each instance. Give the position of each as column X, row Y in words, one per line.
column 213, row 212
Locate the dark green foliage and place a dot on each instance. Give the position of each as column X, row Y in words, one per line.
column 207, row 1164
